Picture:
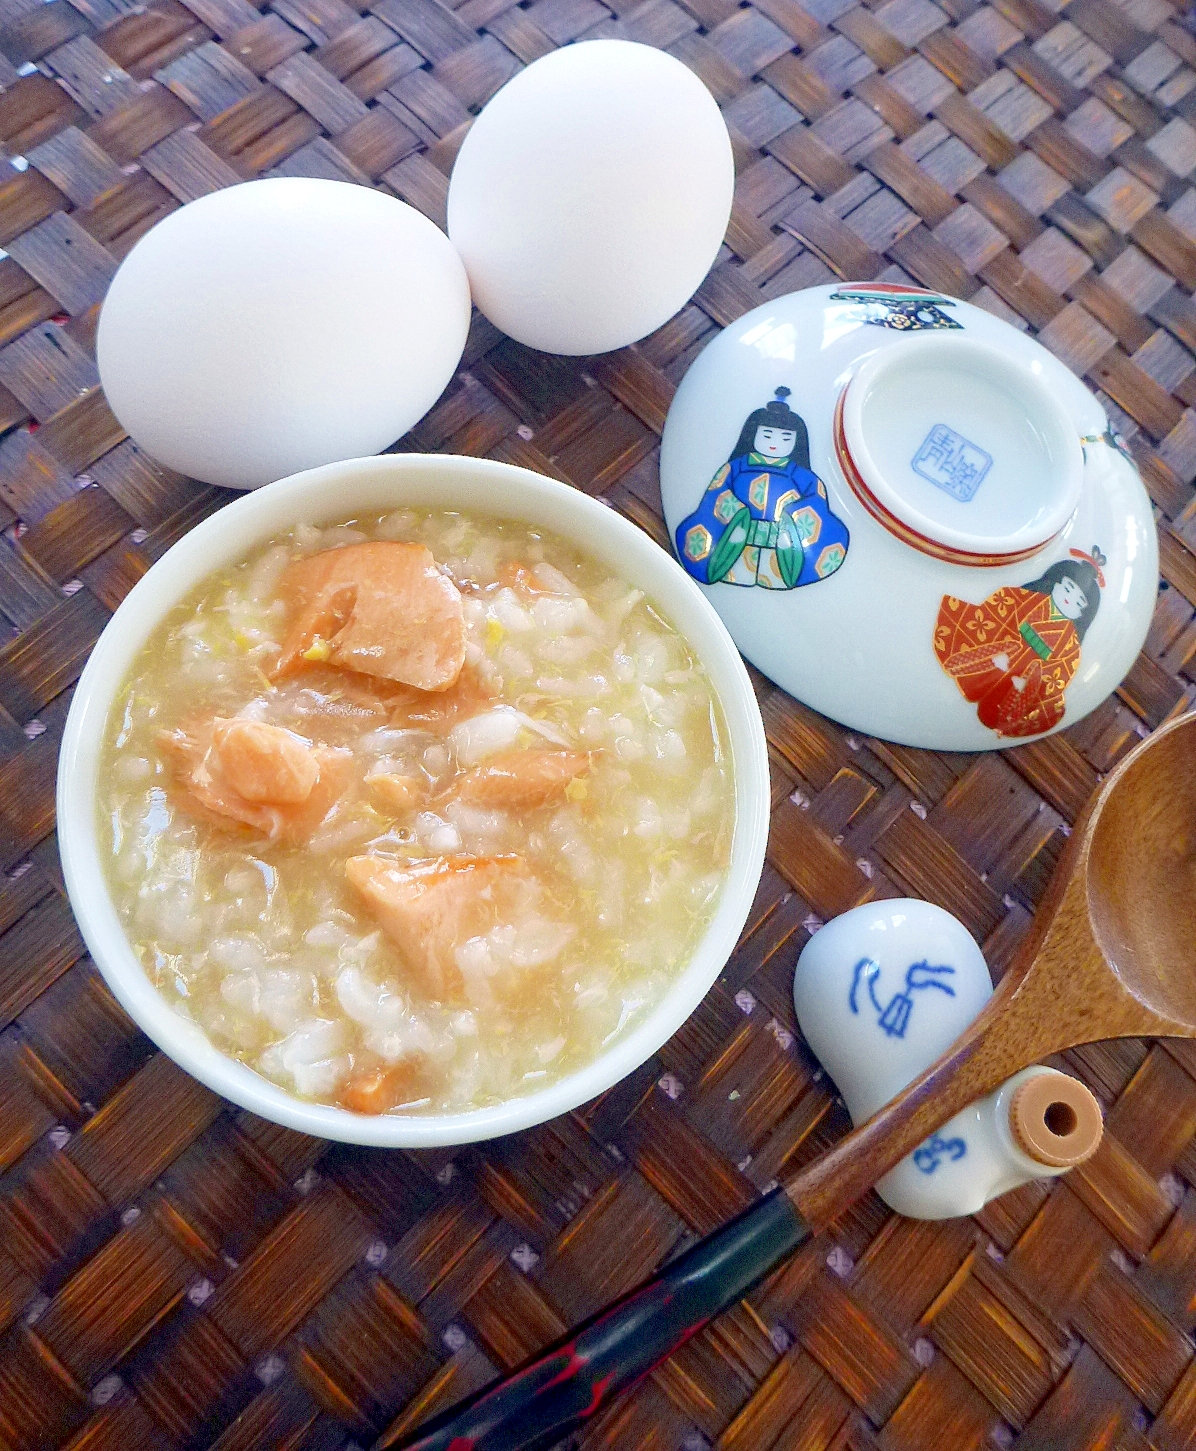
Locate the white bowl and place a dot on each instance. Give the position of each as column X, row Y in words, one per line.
column 957, row 469
column 328, row 495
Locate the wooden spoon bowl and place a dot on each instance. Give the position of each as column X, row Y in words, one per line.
column 1141, row 887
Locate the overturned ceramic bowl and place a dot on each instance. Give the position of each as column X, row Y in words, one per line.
column 328, row 495
column 910, row 516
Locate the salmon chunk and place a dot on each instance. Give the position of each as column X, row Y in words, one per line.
column 264, row 763
column 430, row 908
column 256, row 775
column 521, row 780
column 394, row 795
column 382, row 609
column 375, row 1090
column 438, row 710
column 519, row 578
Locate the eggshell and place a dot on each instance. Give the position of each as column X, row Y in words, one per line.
column 278, row 325
column 591, row 195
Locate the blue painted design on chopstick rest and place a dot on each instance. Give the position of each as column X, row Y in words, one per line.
column 947, row 460
column 894, row 1016
column 935, row 1150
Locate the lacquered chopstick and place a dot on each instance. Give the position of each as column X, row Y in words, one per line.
column 565, row 1386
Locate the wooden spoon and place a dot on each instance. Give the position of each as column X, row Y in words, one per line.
column 1111, row 954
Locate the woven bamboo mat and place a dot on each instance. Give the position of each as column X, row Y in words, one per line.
column 175, row 1273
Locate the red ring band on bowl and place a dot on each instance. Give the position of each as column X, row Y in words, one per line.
column 901, row 530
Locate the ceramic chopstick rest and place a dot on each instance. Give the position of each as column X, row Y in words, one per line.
column 881, row 992
column 910, row 516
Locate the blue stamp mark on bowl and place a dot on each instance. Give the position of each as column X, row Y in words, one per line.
column 951, row 463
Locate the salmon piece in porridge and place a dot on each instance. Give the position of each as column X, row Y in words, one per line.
column 256, row 775
column 264, row 763
column 394, row 795
column 521, row 579
column 521, row 780
column 439, row 710
column 379, row 608
column 431, row 908
column 375, row 1090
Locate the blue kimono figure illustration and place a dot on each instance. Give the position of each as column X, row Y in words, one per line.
column 765, row 519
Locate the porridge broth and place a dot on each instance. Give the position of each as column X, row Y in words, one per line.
column 394, row 893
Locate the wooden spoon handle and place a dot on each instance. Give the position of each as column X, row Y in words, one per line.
column 845, row 1173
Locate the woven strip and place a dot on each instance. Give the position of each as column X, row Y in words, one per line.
column 177, row 1274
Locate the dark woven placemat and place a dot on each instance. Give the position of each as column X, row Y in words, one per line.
column 175, row 1273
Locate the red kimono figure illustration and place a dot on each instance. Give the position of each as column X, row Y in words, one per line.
column 1016, row 652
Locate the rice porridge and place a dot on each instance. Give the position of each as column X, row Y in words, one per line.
column 417, row 813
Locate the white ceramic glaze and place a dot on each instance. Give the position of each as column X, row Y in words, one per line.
column 328, row 495
column 971, row 1160
column 880, row 993
column 862, row 633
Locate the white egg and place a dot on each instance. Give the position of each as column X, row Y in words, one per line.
column 278, row 325
column 591, row 195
